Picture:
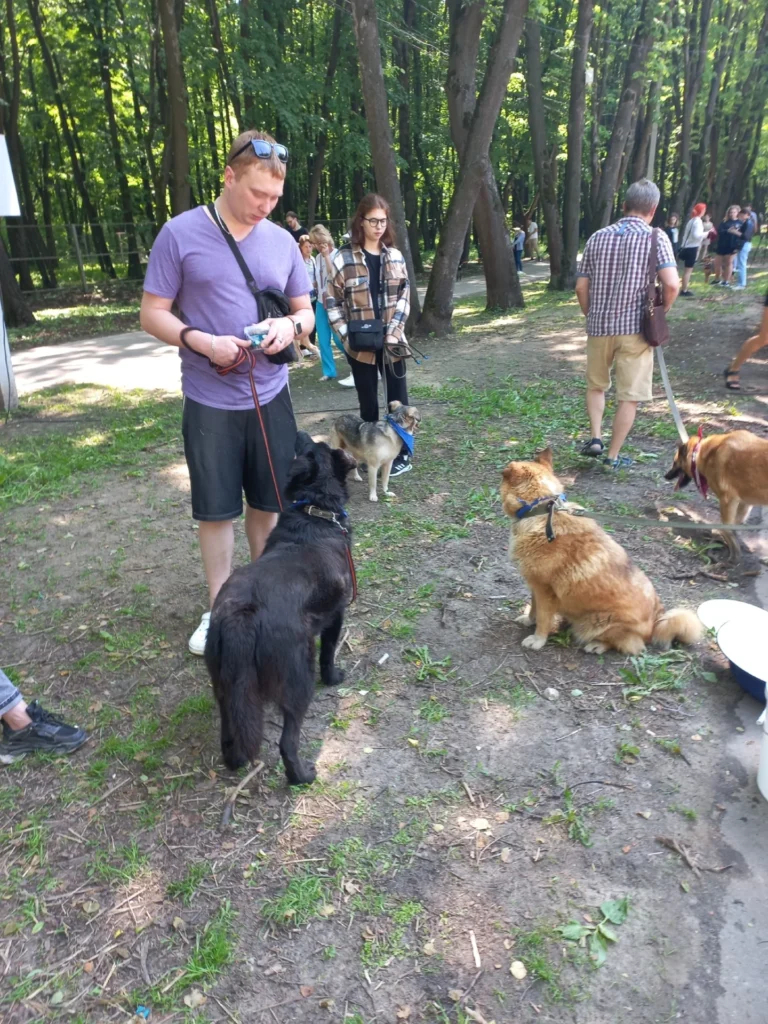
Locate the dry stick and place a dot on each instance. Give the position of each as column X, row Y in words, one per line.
column 224, row 1008
column 689, row 858
column 229, row 805
column 111, row 791
column 590, row 782
column 101, row 913
column 471, row 986
column 475, row 950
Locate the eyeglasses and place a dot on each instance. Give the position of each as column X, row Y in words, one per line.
column 264, row 150
column 376, row 222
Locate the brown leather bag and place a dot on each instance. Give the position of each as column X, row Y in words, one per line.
column 654, row 327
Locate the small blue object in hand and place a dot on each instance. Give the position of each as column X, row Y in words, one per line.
column 255, row 337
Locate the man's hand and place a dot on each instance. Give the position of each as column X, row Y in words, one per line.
column 280, row 332
column 221, row 349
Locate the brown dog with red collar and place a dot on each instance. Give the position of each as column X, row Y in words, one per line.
column 734, row 467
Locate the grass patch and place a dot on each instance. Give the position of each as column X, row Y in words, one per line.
column 121, row 867
column 301, row 900
column 54, row 326
column 652, row 672
column 103, row 429
column 186, row 887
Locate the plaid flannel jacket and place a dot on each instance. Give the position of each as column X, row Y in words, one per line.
column 616, row 262
column 349, row 296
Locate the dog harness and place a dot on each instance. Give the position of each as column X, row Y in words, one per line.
column 545, row 506
column 404, row 436
column 698, row 478
column 332, row 517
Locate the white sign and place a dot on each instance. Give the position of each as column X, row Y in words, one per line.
column 9, row 201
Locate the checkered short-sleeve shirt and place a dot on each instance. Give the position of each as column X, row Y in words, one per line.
column 616, row 262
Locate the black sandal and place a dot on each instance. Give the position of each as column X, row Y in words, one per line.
column 732, row 379
column 593, row 448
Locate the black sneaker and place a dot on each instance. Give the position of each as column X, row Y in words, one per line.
column 402, row 464
column 46, row 732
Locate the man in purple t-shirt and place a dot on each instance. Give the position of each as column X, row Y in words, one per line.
column 192, row 265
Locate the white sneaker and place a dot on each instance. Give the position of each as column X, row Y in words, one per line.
column 348, row 382
column 198, row 638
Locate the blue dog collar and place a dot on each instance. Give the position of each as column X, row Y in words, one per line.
column 404, row 436
column 526, row 509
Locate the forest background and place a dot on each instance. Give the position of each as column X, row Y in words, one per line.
column 469, row 117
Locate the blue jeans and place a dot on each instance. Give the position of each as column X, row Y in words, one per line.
column 519, row 260
column 9, row 695
column 741, row 263
column 324, row 335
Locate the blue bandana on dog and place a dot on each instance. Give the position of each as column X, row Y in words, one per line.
column 404, row 436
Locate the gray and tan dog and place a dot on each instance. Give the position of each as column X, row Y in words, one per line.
column 376, row 444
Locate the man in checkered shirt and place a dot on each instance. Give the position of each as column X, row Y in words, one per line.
column 612, row 288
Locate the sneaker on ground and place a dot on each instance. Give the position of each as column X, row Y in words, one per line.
column 326, row 377
column 688, row 294
column 738, row 287
column 348, row 382
column 623, row 462
column 46, row 732
column 198, row 638
column 402, row 464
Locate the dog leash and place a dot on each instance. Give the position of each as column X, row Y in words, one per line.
column 682, row 432
column 547, row 506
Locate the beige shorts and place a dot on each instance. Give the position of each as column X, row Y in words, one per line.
column 633, row 359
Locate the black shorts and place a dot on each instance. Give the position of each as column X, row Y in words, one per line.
column 226, row 455
column 688, row 255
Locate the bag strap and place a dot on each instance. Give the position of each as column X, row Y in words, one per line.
column 235, row 249
column 652, row 262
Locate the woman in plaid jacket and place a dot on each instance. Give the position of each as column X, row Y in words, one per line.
column 370, row 282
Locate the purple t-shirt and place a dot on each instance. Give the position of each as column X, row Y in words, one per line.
column 192, row 263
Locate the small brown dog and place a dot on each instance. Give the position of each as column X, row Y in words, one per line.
column 583, row 576
column 734, row 467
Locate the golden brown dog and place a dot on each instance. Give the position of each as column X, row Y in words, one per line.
column 734, row 467
column 583, row 576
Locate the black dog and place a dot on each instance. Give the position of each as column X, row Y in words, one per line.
column 261, row 640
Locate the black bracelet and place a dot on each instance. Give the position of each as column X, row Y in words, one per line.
column 183, row 339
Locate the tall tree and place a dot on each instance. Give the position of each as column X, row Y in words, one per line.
column 438, row 305
column 573, row 164
column 380, row 130
column 178, row 110
column 544, row 157
column 100, row 28
column 321, row 146
column 70, row 139
column 503, row 289
column 634, row 79
column 698, row 14
column 402, row 52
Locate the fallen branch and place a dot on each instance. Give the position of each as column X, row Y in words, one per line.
column 590, row 782
column 691, row 859
column 229, row 804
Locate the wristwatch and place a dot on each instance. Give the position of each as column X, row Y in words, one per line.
column 297, row 328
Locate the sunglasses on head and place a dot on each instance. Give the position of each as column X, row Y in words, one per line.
column 264, row 150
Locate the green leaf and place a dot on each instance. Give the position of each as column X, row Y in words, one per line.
column 38, row 927
column 616, row 910
column 607, row 932
column 708, row 677
column 598, row 948
column 573, row 931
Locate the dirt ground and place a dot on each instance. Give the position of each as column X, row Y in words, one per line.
column 461, row 820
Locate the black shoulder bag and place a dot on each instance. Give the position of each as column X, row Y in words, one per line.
column 272, row 302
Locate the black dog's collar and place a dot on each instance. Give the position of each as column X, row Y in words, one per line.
column 322, row 513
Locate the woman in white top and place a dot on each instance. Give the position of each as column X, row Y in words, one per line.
column 305, row 245
column 690, row 244
column 322, row 240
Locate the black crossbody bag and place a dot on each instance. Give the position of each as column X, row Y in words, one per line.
column 271, row 301
column 365, row 335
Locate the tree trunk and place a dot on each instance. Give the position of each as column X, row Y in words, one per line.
column 318, row 161
column 68, row 132
column 101, row 37
column 438, row 306
column 249, row 100
column 178, row 110
column 407, row 179
column 634, row 78
column 545, row 168
column 643, row 143
column 15, row 306
column 576, row 113
column 502, row 284
column 696, row 37
column 226, row 82
column 700, row 162
column 380, row 131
